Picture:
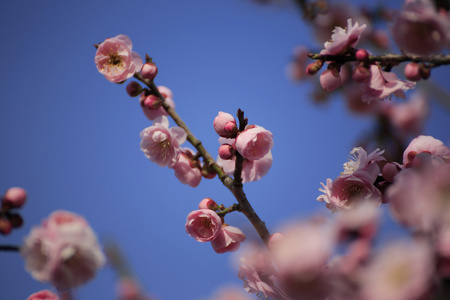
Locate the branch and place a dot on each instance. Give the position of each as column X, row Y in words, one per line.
column 10, row 248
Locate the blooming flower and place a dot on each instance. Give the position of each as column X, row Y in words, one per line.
column 43, row 295
column 204, row 225
column 425, row 144
column 383, row 85
column 343, row 39
column 228, row 240
column 115, row 60
column 63, row 251
column 161, row 144
column 254, row 142
column 359, row 160
column 185, row 170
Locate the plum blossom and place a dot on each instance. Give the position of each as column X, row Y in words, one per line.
column 186, row 170
column 225, row 125
column 420, row 29
column 359, row 160
column 343, row 39
column 115, row 60
column 252, row 170
column 230, row 293
column 330, row 79
column 63, row 250
column 400, row 271
column 204, row 225
column 161, row 144
column 254, row 142
column 43, row 295
column 383, row 85
column 14, row 197
column 349, row 190
column 425, row 144
column 362, row 220
column 228, row 240
column 152, row 114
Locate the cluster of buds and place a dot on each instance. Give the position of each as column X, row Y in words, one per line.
column 15, row 197
column 205, row 225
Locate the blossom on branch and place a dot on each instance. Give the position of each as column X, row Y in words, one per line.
column 252, row 170
column 426, row 145
column 254, row 142
column 342, row 39
column 228, row 240
column 204, row 225
column 185, row 169
column 63, row 250
column 161, row 144
column 153, row 113
column 115, row 60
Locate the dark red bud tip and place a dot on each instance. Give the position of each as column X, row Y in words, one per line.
column 134, row 89
column 362, row 55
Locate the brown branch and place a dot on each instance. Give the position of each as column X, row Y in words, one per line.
column 12, row 248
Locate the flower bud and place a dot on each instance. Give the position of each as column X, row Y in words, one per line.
column 149, row 71
column 134, row 89
column 208, row 203
column 225, row 125
column 14, row 197
column 314, row 67
column 390, row 170
column 330, row 80
column 412, row 71
column 226, row 151
column 362, row 55
column 361, row 74
column 152, row 102
column 5, row 226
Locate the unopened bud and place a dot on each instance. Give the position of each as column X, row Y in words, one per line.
column 5, row 226
column 14, row 197
column 208, row 172
column 134, row 89
column 361, row 74
column 152, row 102
column 412, row 71
column 230, row 128
column 362, row 55
column 208, row 203
column 314, row 67
column 226, row 151
column 330, row 79
column 149, row 71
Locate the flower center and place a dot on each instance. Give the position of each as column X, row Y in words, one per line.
column 115, row 59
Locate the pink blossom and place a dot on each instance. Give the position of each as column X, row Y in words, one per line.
column 254, row 142
column 149, row 71
column 425, row 144
column 400, row 271
column 330, row 80
column 419, row 28
column 204, row 225
column 14, row 197
column 252, row 170
column 349, row 190
column 390, row 170
column 186, row 169
column 362, row 220
column 152, row 114
column 208, row 203
column 63, row 251
column 161, row 144
column 228, row 240
column 296, row 70
column 343, row 39
column 115, row 60
column 230, row 293
column 383, row 85
column 43, row 295
column 360, row 161
column 225, row 125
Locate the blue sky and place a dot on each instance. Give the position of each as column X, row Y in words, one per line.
column 71, row 138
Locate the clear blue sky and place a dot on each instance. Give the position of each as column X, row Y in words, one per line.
column 71, row 138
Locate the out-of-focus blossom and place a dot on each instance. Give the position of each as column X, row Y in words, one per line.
column 14, row 197
column 343, row 39
column 115, row 60
column 230, row 293
column 254, row 142
column 390, row 170
column 259, row 277
column 412, row 71
column 400, row 271
column 360, row 161
column 330, row 79
column 185, row 169
column 128, row 289
column 409, row 116
column 361, row 221
column 152, row 114
column 383, row 85
column 204, row 225
column 228, row 240
column 349, row 190
column 63, row 250
column 420, row 29
column 161, row 144
column 425, row 144
column 353, row 93
column 225, row 125
column 252, row 170
column 296, row 70
column 43, row 295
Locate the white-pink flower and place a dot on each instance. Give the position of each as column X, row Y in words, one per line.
column 360, row 161
column 254, row 142
column 204, row 225
column 252, row 170
column 115, row 60
column 185, row 169
column 63, row 250
column 228, row 240
column 343, row 39
column 383, row 85
column 425, row 144
column 161, row 144
column 43, row 295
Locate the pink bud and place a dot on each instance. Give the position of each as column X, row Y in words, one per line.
column 149, row 71
column 225, row 125
column 134, row 89
column 208, row 203
column 330, row 80
column 314, row 67
column 362, row 55
column 5, row 226
column 390, row 170
column 275, row 239
column 361, row 74
column 226, row 151
column 43, row 295
column 152, row 102
column 14, row 197
column 412, row 71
